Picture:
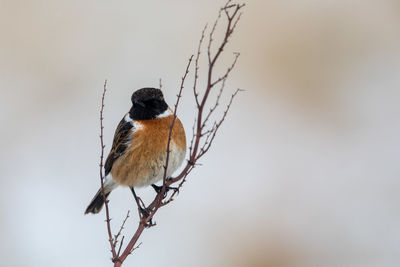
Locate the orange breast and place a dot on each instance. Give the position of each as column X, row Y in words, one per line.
column 145, row 156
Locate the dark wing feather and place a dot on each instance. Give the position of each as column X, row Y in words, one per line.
column 121, row 139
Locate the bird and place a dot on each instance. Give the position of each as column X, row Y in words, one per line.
column 138, row 153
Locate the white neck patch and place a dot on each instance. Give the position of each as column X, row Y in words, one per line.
column 127, row 118
column 166, row 113
column 136, row 125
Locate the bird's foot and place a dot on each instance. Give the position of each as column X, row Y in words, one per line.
column 145, row 213
column 159, row 188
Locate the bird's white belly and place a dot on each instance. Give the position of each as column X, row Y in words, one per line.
column 176, row 157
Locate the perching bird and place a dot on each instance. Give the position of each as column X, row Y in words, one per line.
column 138, row 153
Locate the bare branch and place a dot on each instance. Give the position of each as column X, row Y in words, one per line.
column 194, row 149
column 193, row 137
column 173, row 121
column 210, row 38
column 202, row 138
column 218, row 124
column 227, row 71
column 196, row 68
column 213, row 108
column 110, row 239
column 120, row 245
column 120, row 231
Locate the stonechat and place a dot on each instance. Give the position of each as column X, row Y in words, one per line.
column 138, row 152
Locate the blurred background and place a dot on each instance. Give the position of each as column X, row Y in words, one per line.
column 304, row 172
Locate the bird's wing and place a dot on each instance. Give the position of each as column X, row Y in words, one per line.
column 122, row 137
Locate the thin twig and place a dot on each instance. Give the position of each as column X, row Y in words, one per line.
column 222, row 78
column 195, row 142
column 120, row 245
column 173, row 122
column 196, row 68
column 217, row 125
column 213, row 108
column 120, row 230
column 110, row 239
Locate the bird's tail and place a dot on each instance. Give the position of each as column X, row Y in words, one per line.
column 97, row 202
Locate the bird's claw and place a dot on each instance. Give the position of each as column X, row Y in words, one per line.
column 167, row 188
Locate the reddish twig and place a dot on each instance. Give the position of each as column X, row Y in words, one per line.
column 202, row 137
column 119, row 233
column 120, row 245
column 196, row 69
column 216, row 126
column 108, row 220
column 173, row 121
column 231, row 25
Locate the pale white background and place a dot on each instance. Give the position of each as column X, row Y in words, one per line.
column 305, row 171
